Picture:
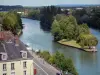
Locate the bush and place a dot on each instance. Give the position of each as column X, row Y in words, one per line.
column 52, row 60
column 60, row 61
column 45, row 54
column 70, row 67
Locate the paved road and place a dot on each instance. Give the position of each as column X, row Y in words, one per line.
column 43, row 68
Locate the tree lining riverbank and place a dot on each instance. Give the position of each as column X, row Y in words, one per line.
column 58, row 61
column 73, row 44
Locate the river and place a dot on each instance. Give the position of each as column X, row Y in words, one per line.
column 86, row 63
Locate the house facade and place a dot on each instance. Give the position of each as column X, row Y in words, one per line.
column 14, row 57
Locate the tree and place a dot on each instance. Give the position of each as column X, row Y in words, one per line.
column 47, row 16
column 94, row 20
column 12, row 21
column 70, row 67
column 64, row 64
column 34, row 14
column 56, row 31
column 87, row 40
column 52, row 60
column 45, row 55
column 64, row 28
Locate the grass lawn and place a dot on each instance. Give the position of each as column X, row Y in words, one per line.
column 69, row 43
column 74, row 44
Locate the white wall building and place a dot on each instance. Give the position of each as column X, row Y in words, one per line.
column 14, row 57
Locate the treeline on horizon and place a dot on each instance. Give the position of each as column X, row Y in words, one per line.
column 8, row 7
column 88, row 15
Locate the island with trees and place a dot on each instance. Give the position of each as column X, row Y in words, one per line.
column 66, row 31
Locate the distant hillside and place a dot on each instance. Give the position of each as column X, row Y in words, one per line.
column 7, row 8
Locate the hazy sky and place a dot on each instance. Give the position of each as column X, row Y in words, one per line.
column 46, row 2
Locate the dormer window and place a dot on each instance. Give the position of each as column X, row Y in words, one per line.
column 23, row 54
column 3, row 56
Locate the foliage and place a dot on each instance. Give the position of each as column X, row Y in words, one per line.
column 12, row 22
column 70, row 67
column 47, row 16
column 34, row 14
column 66, row 27
column 87, row 40
column 60, row 61
column 52, row 60
column 94, row 20
column 56, row 31
column 45, row 55
column 90, row 15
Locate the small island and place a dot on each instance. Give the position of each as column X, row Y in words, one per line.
column 67, row 32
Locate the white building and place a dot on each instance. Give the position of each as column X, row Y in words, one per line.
column 14, row 57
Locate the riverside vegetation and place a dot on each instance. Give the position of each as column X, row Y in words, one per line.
column 66, row 28
column 69, row 27
column 11, row 21
column 59, row 61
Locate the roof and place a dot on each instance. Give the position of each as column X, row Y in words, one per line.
column 13, row 51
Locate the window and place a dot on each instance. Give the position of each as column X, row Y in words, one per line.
column 4, row 67
column 12, row 66
column 4, row 56
column 24, row 73
column 4, row 74
column 24, row 54
column 12, row 73
column 24, row 65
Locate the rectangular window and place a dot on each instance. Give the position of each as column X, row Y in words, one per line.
column 24, row 54
column 12, row 66
column 4, row 74
column 24, row 73
column 4, row 67
column 24, row 65
column 4, row 56
column 12, row 73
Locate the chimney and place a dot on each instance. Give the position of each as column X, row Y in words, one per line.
column 8, row 37
column 2, row 35
column 16, row 40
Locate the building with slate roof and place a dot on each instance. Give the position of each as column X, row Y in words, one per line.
column 14, row 57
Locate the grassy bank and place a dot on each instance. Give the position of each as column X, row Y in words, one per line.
column 74, row 44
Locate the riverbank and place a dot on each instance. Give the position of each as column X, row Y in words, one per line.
column 51, row 63
column 73, row 44
column 51, row 70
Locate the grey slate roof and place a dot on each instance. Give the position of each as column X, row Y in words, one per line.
column 13, row 51
column 1, row 48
